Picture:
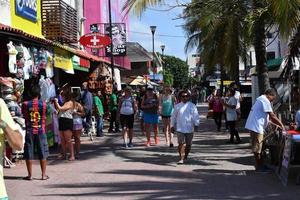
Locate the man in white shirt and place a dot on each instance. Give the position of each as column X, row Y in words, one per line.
column 184, row 119
column 257, row 121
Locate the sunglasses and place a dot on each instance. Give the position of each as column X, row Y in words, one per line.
column 184, row 96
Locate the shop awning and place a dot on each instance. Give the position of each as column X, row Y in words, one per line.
column 274, row 64
column 4, row 29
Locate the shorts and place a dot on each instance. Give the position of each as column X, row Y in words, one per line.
column 127, row 121
column 65, row 124
column 165, row 116
column 36, row 142
column 150, row 118
column 77, row 127
column 185, row 138
column 256, row 142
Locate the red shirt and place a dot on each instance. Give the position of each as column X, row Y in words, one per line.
column 217, row 105
column 34, row 112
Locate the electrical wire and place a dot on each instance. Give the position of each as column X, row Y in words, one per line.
column 161, row 35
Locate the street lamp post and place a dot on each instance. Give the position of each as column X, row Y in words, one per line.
column 163, row 60
column 153, row 28
column 111, row 45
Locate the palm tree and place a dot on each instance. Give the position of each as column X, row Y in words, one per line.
column 281, row 13
column 217, row 28
column 205, row 25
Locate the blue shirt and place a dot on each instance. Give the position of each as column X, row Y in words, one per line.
column 87, row 99
column 298, row 119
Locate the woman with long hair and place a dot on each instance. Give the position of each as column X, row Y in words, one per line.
column 150, row 106
column 78, row 113
column 167, row 103
column 65, row 122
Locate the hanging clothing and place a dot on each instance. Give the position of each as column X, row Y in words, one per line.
column 12, row 62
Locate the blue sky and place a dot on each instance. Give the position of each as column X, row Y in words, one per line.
column 166, row 25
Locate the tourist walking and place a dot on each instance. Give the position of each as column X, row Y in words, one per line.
column 8, row 131
column 167, row 103
column 99, row 112
column 259, row 116
column 127, row 109
column 150, row 106
column 217, row 107
column 65, row 123
column 78, row 114
column 140, row 97
column 184, row 121
column 34, row 112
column 231, row 116
column 113, row 108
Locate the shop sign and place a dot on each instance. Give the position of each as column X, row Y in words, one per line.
column 95, row 40
column 63, row 60
column 118, row 39
column 27, row 9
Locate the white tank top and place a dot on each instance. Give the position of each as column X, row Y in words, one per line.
column 127, row 106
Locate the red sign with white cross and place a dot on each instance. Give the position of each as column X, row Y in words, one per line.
column 95, row 40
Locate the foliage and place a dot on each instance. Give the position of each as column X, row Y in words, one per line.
column 178, row 69
column 218, row 30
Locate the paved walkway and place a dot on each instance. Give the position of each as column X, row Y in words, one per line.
column 107, row 171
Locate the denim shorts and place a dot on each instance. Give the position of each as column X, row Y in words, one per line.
column 36, row 142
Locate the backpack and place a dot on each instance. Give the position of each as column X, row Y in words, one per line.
column 132, row 103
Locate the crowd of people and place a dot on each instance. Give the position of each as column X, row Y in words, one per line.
column 227, row 106
column 176, row 109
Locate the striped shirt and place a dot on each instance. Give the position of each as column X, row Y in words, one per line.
column 34, row 112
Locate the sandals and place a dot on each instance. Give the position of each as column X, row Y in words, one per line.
column 27, row 178
column 45, row 178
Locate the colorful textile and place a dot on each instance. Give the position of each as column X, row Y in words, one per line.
column 34, row 112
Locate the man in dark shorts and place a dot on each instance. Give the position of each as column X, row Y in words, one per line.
column 34, row 112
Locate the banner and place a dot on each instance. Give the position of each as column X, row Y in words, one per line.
column 63, row 60
column 118, row 39
column 27, row 9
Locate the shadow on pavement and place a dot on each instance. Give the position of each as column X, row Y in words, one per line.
column 184, row 185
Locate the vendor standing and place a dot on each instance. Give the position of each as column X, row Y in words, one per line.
column 257, row 121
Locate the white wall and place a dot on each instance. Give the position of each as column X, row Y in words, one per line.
column 5, row 17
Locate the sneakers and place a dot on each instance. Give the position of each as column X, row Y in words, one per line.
column 125, row 145
column 171, row 145
column 180, row 162
column 130, row 144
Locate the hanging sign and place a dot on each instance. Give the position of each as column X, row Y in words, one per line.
column 118, row 39
column 95, row 40
column 27, row 9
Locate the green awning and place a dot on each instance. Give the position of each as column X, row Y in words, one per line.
column 274, row 64
column 78, row 67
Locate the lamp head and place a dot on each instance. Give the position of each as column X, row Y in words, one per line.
column 153, row 28
column 162, row 47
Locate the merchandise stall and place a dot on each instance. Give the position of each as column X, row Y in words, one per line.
column 281, row 152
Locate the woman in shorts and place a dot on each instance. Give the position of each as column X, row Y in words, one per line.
column 150, row 106
column 78, row 113
column 167, row 102
column 65, row 122
column 127, row 108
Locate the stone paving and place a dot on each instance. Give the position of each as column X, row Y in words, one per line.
column 105, row 170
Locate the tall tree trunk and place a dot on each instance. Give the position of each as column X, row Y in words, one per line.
column 260, row 51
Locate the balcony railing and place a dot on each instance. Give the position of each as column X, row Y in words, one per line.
column 59, row 21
